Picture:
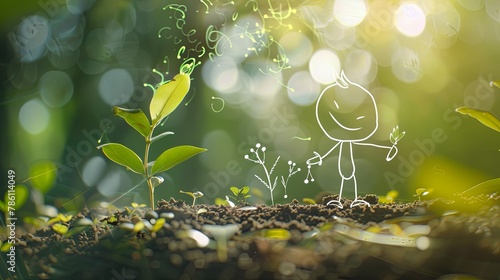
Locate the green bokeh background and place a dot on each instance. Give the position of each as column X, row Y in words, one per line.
column 441, row 150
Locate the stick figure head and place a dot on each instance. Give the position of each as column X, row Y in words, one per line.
column 346, row 111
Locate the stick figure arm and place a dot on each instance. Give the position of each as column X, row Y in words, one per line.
column 317, row 159
column 373, row 145
column 393, row 150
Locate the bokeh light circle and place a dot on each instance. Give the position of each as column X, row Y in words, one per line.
column 410, row 19
column 472, row 5
column 34, row 116
column 222, row 76
column 302, row 89
column 93, row 170
column 56, row 88
column 349, row 12
column 493, row 8
column 297, row 47
column 116, row 86
column 360, row 67
column 324, row 66
column 406, row 65
column 30, row 38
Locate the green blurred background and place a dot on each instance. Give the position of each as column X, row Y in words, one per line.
column 66, row 63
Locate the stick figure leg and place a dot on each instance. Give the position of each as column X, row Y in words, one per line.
column 357, row 202
column 337, row 202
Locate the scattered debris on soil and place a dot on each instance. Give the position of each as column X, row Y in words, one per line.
column 419, row 240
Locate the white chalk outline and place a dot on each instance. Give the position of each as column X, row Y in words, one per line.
column 343, row 82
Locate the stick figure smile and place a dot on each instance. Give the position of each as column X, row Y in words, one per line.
column 343, row 126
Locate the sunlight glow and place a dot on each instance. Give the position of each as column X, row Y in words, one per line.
column 410, row 19
column 322, row 66
column 349, row 12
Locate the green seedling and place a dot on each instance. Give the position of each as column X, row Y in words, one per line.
column 240, row 195
column 389, row 198
column 135, row 207
column 167, row 97
column 59, row 223
column 194, row 195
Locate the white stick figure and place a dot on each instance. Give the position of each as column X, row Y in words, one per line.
column 348, row 114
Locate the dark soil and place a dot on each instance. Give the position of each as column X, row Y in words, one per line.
column 428, row 240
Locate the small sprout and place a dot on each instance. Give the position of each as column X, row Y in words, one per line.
column 307, row 200
column 166, row 98
column 201, row 211
column 221, row 201
column 221, row 234
column 389, row 197
column 136, row 205
column 60, row 229
column 240, row 195
column 60, row 218
column 194, row 195
column 420, row 192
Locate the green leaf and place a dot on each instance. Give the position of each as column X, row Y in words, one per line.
column 174, row 156
column 123, row 156
column 21, row 195
column 235, row 190
column 61, row 229
column 43, row 175
column 486, row 118
column 168, row 96
column 245, row 190
column 188, row 193
column 495, row 83
column 135, row 118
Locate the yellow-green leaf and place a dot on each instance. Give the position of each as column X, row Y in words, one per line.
column 235, row 190
column 276, row 233
column 158, row 225
column 135, row 118
column 43, row 175
column 123, row 156
column 19, row 197
column 138, row 226
column 168, row 96
column 486, row 118
column 61, row 229
column 174, row 156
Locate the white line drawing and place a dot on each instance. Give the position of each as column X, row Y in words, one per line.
column 349, row 124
